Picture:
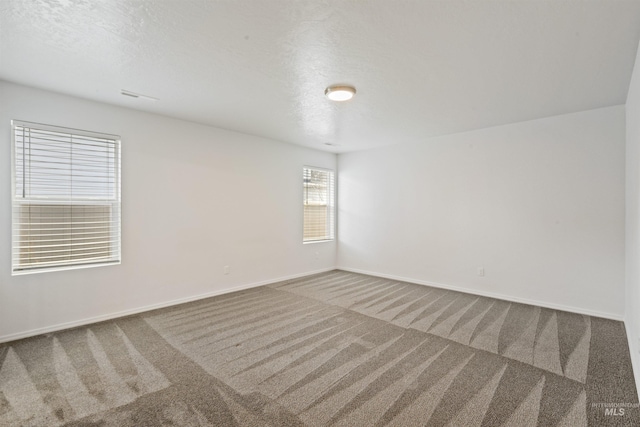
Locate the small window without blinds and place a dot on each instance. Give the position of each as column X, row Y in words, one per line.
column 318, row 201
column 66, row 198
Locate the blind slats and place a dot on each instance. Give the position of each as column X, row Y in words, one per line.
column 66, row 199
column 60, row 253
column 35, row 243
column 318, row 204
column 66, row 253
column 59, row 263
column 86, row 227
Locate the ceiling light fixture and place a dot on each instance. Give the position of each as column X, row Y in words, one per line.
column 340, row 93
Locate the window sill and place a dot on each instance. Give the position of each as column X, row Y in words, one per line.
column 317, row 241
column 26, row 271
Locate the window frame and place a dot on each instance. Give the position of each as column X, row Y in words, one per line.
column 116, row 201
column 331, row 205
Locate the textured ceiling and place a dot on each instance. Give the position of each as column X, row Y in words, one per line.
column 421, row 68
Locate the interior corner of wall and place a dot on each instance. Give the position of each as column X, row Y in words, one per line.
column 634, row 349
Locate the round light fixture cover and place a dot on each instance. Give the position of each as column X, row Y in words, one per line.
column 340, row 92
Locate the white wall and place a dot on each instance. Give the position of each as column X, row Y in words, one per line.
column 194, row 198
column 538, row 204
column 632, row 319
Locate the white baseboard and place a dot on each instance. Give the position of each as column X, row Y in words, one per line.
column 109, row 316
column 545, row 304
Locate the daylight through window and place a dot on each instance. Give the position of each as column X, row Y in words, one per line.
column 318, row 203
column 66, row 198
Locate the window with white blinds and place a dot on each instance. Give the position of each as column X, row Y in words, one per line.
column 66, row 198
column 318, row 201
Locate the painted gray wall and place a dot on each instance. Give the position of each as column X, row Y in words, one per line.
column 194, row 199
column 538, row 204
column 632, row 311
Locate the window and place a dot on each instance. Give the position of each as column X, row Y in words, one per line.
column 65, row 198
column 318, row 185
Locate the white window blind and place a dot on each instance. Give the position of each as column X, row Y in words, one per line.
column 66, row 198
column 318, row 201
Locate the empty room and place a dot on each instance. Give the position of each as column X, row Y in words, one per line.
column 319, row 213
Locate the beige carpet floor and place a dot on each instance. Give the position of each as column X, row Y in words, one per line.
column 337, row 349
